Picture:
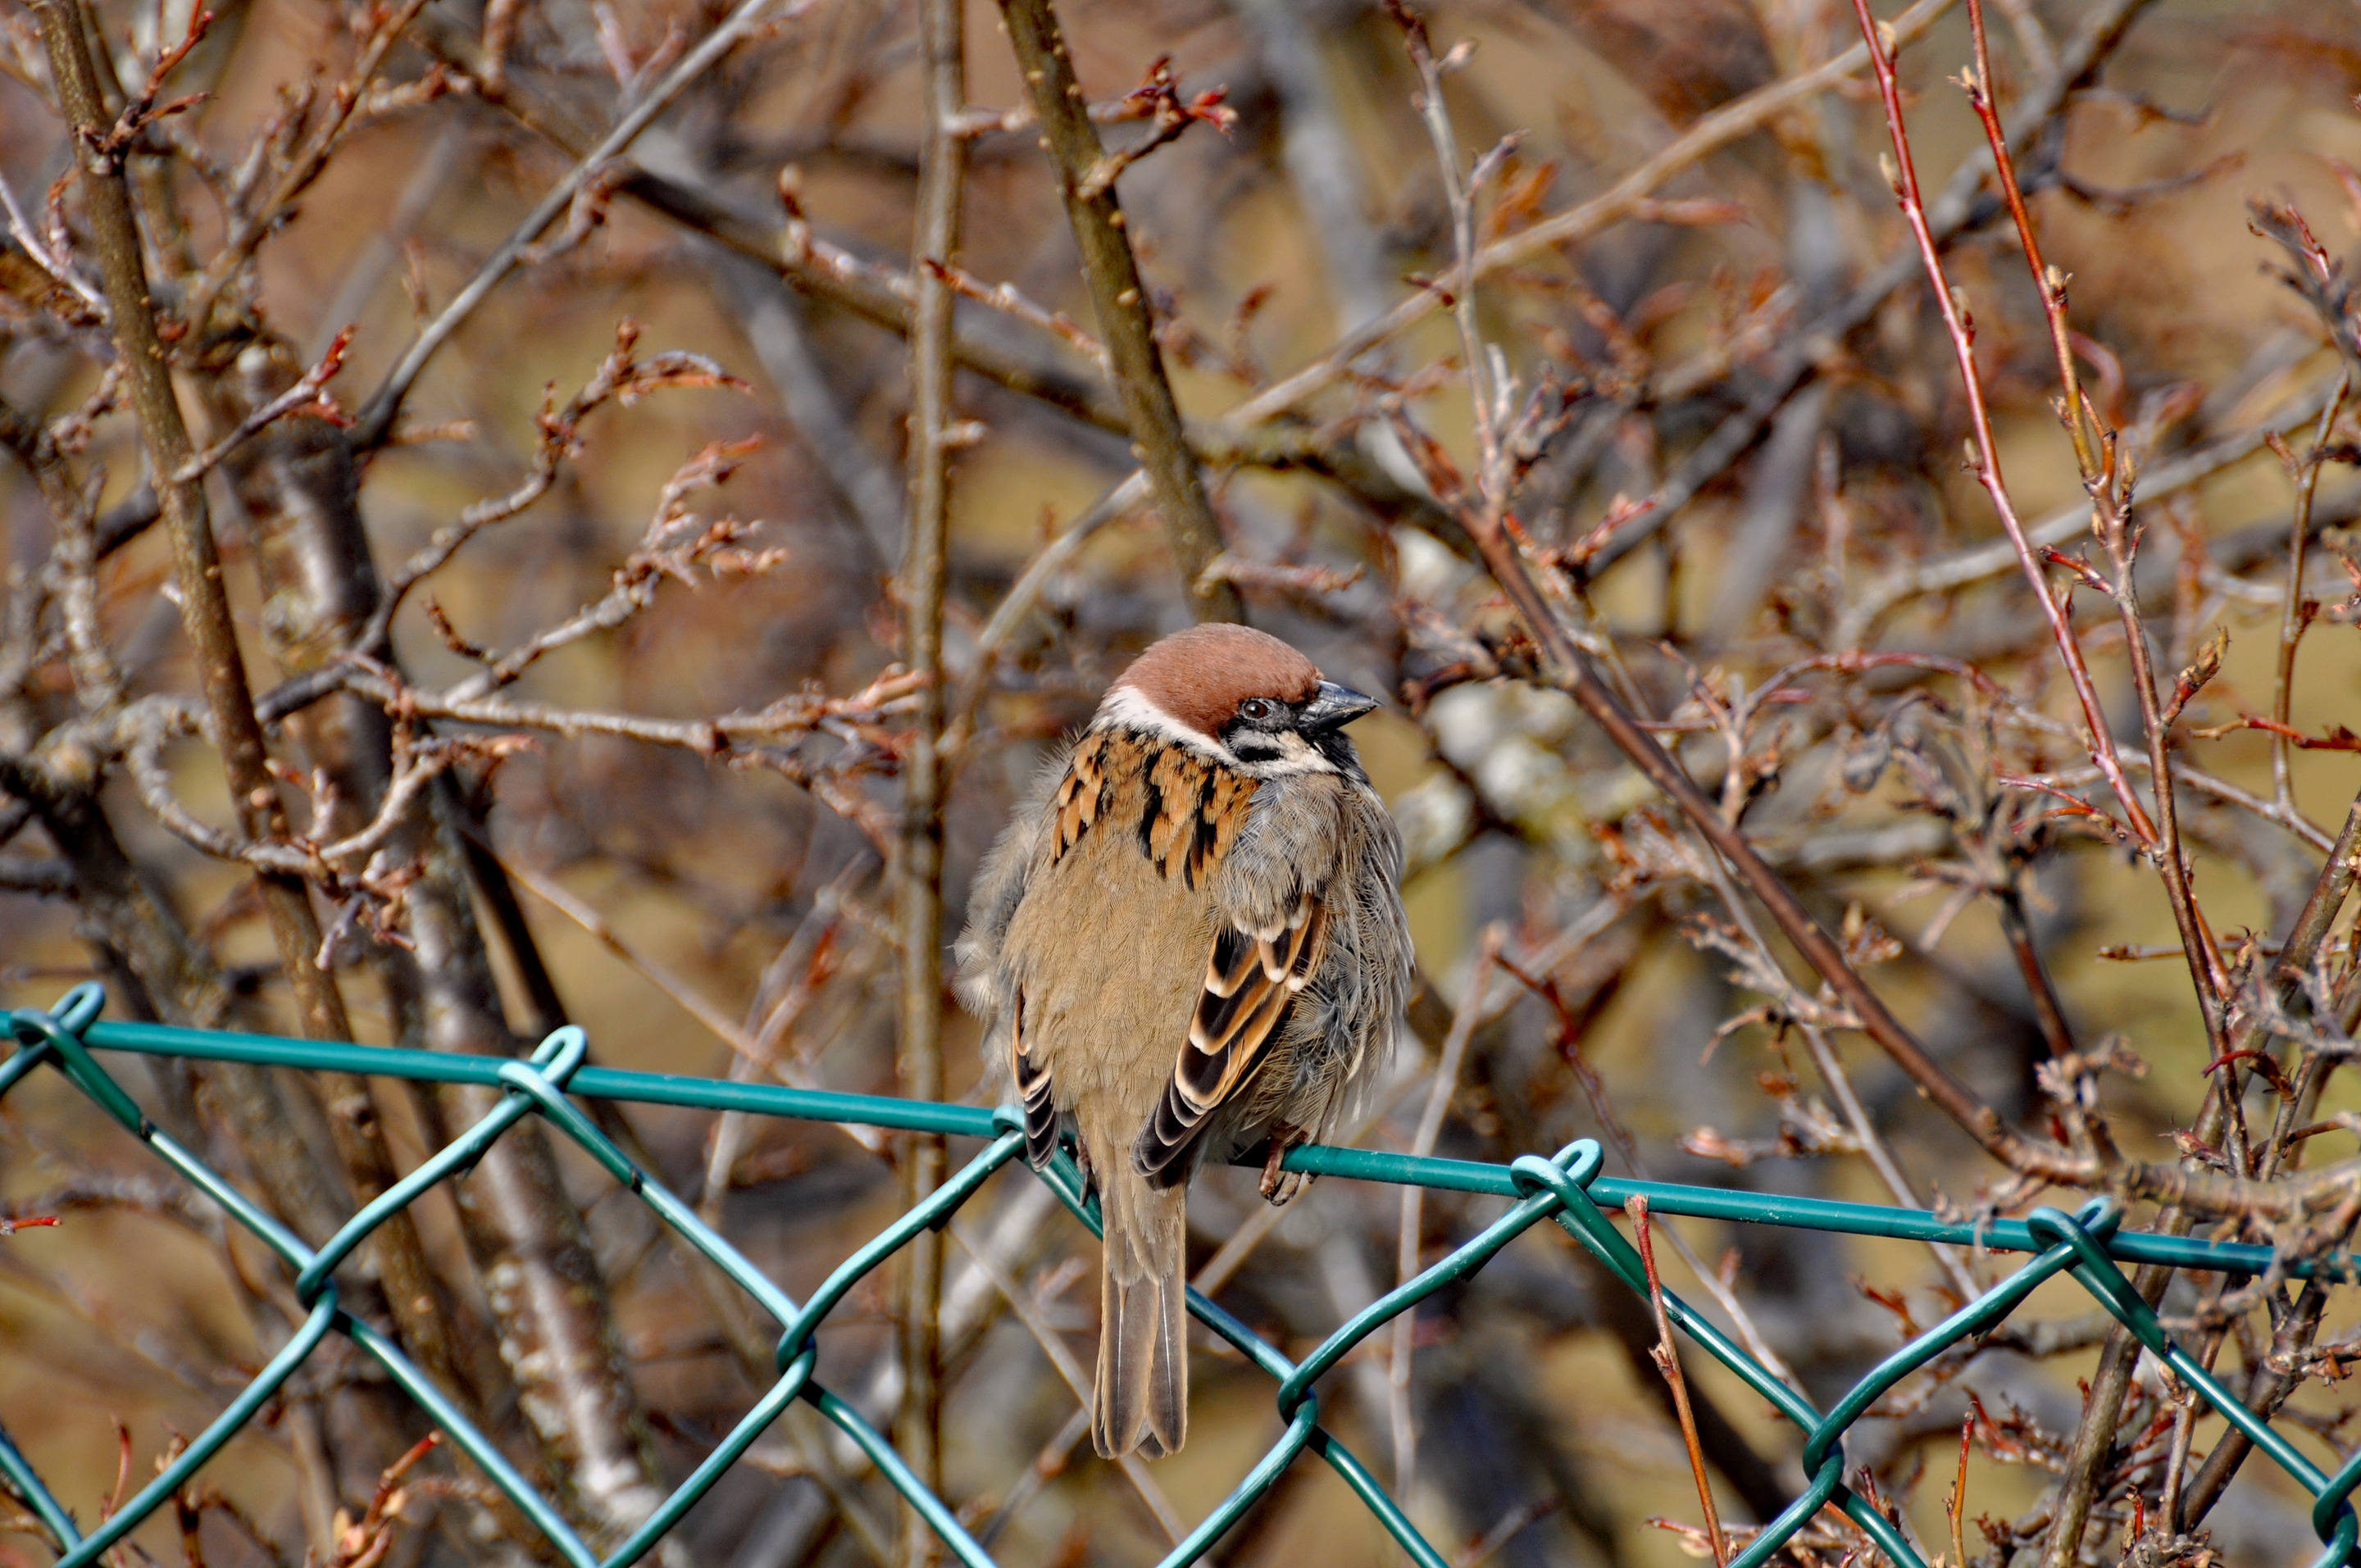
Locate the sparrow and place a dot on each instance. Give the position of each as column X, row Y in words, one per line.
column 1189, row 941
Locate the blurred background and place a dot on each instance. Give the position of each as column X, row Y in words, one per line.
column 1747, row 455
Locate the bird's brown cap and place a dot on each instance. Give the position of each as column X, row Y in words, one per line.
column 1199, row 676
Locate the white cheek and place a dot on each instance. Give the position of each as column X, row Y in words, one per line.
column 1126, row 709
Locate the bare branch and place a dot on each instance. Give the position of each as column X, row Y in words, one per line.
column 1120, row 298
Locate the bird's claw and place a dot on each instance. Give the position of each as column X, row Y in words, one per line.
column 1280, row 1185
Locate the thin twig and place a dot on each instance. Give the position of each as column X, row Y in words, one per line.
column 204, row 602
column 1047, row 1465
column 1733, row 121
column 2294, row 616
column 1955, row 1505
column 1668, row 1356
column 1513, row 1523
column 378, row 415
column 2079, row 422
column 1570, row 668
column 2108, row 483
column 919, row 860
column 1126, row 496
column 1464, row 1019
column 689, row 999
column 1119, row 300
column 1964, row 568
column 251, row 227
column 1028, row 1312
column 2098, row 737
column 1840, row 1081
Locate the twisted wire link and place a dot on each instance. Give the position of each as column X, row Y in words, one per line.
column 1566, row 1189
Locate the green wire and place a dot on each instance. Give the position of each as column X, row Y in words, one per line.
column 1567, row 1189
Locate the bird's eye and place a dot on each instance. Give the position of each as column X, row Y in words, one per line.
column 1253, row 707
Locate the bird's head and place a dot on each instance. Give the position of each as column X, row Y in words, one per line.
column 1241, row 696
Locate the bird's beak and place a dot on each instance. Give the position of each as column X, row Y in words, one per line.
column 1331, row 708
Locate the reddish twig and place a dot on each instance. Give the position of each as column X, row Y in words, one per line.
column 2284, row 734
column 2107, row 482
column 308, row 396
column 1157, row 99
column 365, row 1543
column 2295, row 617
column 1905, row 177
column 1005, row 298
column 1955, row 1506
column 141, row 110
column 1485, row 518
column 1667, row 1357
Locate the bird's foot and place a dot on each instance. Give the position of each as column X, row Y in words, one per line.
column 1278, row 1185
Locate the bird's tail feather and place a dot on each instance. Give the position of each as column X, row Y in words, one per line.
column 1143, row 1378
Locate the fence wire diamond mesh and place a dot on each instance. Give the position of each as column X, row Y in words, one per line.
column 1565, row 1189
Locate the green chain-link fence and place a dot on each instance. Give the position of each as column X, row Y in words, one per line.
column 1566, row 1189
